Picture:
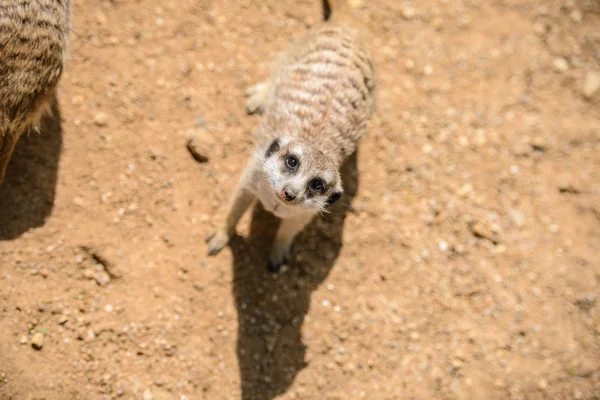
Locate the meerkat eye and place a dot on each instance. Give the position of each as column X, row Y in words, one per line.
column 291, row 162
column 318, row 185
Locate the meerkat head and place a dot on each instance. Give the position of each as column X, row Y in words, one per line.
column 301, row 175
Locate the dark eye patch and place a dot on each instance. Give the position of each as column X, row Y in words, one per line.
column 317, row 185
column 273, row 148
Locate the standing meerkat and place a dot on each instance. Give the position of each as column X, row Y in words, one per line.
column 316, row 106
column 33, row 45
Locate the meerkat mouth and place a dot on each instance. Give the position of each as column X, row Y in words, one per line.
column 284, row 201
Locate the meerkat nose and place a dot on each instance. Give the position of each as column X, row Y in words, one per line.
column 287, row 194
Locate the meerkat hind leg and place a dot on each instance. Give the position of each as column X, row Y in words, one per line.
column 280, row 252
column 219, row 239
column 257, row 97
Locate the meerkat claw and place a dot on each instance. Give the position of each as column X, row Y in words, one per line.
column 273, row 267
column 276, row 261
column 216, row 242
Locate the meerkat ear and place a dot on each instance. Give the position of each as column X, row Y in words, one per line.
column 273, row 148
column 335, row 196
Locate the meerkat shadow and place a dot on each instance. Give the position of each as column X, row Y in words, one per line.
column 29, row 188
column 272, row 307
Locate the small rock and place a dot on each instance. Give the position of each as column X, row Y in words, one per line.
column 101, row 119
column 517, row 217
column 408, row 13
column 23, row 339
column 576, row 16
column 538, row 144
column 591, row 84
column 202, row 122
column 567, row 185
column 102, row 278
column 560, row 65
column 37, row 341
column 184, row 67
column 586, row 303
column 483, row 231
column 147, row 394
column 88, row 273
column 78, row 201
column 199, row 147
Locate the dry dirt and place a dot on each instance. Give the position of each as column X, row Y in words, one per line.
column 463, row 264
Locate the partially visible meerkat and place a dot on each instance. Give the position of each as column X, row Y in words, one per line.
column 33, row 45
column 316, row 106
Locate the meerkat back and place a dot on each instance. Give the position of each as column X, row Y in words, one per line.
column 33, row 43
column 322, row 87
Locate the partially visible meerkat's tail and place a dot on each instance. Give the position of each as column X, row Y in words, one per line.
column 335, row 9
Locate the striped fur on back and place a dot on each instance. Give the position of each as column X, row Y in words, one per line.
column 323, row 90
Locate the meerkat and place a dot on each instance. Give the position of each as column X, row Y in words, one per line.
column 33, row 46
column 315, row 109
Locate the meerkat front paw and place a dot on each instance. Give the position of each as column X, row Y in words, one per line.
column 278, row 257
column 216, row 242
column 257, row 97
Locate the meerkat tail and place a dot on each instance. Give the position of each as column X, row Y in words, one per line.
column 335, row 9
column 8, row 140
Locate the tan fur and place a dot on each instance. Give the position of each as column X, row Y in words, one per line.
column 33, row 44
column 318, row 100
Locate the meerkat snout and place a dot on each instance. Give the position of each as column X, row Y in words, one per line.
column 287, row 194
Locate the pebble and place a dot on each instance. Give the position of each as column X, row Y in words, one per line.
column 408, row 13
column 576, row 16
column 517, row 217
column 102, row 278
column 483, row 231
column 37, row 341
column 560, row 65
column 88, row 273
column 101, row 119
column 538, row 143
column 591, row 84
column 568, row 185
column 198, row 147
column 23, row 339
column 147, row 394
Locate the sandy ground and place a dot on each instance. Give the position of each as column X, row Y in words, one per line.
column 463, row 264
